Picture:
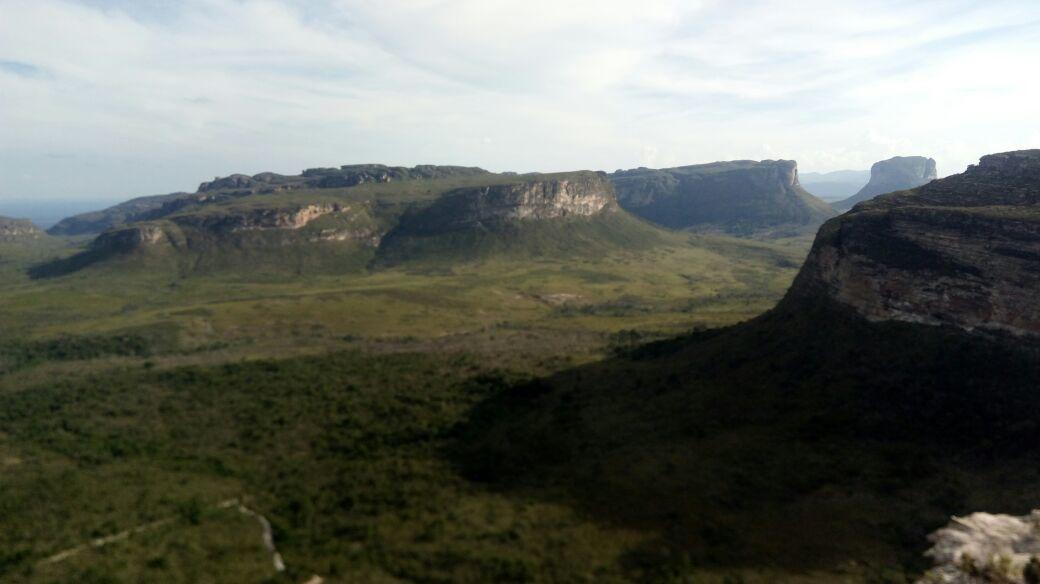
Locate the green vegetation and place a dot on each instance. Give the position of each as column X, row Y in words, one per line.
column 137, row 394
column 779, row 444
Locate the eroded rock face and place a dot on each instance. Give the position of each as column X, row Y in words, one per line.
column 984, row 548
column 17, row 229
column 895, row 174
column 961, row 251
column 739, row 197
column 136, row 237
column 584, row 195
column 261, row 219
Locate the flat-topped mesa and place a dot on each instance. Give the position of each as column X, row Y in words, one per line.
column 895, row 174
column 961, row 251
column 18, row 229
column 584, row 194
column 334, row 178
column 740, row 197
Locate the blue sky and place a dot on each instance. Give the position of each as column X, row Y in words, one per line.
column 107, row 99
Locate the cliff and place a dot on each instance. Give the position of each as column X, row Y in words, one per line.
column 962, row 251
column 741, row 197
column 390, row 215
column 895, row 174
column 17, row 229
column 581, row 195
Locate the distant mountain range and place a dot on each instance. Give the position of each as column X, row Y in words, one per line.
column 344, row 219
column 376, row 215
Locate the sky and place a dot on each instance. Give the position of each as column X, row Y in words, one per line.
column 108, row 99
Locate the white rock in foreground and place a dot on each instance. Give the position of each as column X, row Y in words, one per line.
column 985, row 548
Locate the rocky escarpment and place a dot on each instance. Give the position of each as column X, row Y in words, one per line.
column 961, row 251
column 741, row 197
column 240, row 185
column 579, row 195
column 333, row 178
column 895, row 174
column 342, row 223
column 18, row 229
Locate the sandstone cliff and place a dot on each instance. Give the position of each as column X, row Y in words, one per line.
column 895, row 174
column 579, row 195
column 17, row 229
column 741, row 197
column 961, row 251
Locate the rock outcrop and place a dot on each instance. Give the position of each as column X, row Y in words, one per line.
column 222, row 189
column 983, row 548
column 963, row 251
column 742, row 197
column 18, row 229
column 895, row 174
column 580, row 195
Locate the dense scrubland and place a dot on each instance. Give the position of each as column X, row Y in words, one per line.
column 332, row 403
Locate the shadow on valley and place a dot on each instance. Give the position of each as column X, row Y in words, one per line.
column 807, row 439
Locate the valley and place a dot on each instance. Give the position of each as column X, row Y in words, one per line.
column 509, row 378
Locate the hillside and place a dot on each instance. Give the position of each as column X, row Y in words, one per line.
column 739, row 198
column 341, row 220
column 893, row 387
column 126, row 212
column 895, row 174
column 18, row 230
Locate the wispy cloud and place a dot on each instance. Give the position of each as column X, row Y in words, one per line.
column 155, row 96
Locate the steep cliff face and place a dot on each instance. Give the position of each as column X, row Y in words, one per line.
column 962, row 251
column 581, row 195
column 17, row 229
column 895, row 174
column 742, row 197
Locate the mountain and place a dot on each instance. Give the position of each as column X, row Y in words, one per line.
column 894, row 385
column 963, row 251
column 741, row 197
column 342, row 219
column 239, row 185
column 894, row 174
column 18, row 229
column 558, row 215
column 95, row 222
column 834, row 186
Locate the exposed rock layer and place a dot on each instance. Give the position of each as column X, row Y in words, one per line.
column 241, row 185
column 895, row 174
column 17, row 229
column 961, row 251
column 584, row 195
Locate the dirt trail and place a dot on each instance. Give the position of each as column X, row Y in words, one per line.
column 266, row 534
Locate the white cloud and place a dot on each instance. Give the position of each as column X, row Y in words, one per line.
column 148, row 98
